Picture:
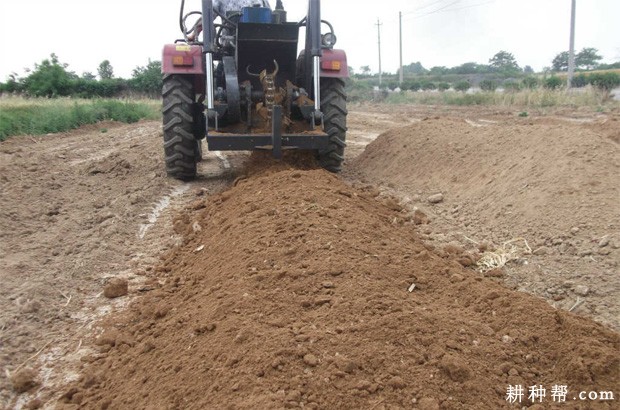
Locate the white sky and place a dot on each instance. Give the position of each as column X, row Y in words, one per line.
column 130, row 32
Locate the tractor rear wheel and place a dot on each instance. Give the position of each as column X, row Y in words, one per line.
column 181, row 148
column 334, row 108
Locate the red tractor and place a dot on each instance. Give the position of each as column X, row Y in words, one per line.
column 243, row 86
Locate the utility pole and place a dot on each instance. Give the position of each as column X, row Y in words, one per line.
column 571, row 52
column 400, row 28
column 379, row 24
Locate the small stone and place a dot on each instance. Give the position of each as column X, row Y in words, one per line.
column 116, row 288
column 574, row 231
column 428, row 403
column 582, row 290
column 507, row 339
column 603, row 242
column 311, row 360
column 397, row 383
column 32, row 306
column 24, row 380
column 293, row 395
column 328, row 285
column 604, row 251
column 456, row 277
column 435, row 199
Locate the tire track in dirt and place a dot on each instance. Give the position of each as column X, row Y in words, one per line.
column 76, row 210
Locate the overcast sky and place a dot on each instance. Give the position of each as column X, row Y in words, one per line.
column 435, row 32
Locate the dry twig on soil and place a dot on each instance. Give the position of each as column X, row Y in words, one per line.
column 504, row 254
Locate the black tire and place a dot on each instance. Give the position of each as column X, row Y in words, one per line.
column 334, row 108
column 180, row 144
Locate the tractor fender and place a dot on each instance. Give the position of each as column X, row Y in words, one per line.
column 334, row 64
column 182, row 59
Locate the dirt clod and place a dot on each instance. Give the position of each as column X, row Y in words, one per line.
column 116, row 288
column 24, row 380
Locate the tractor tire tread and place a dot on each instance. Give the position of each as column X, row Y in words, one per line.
column 180, row 145
column 334, row 108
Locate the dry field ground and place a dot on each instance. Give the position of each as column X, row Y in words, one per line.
column 279, row 285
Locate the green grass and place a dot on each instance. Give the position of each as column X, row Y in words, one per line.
column 20, row 116
column 537, row 98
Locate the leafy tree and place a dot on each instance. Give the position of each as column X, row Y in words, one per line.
column 148, row 79
column 560, row 62
column 504, row 62
column 439, row 70
column 609, row 66
column 470, row 68
column 365, row 69
column 105, row 70
column 488, row 85
column 49, row 79
column 414, row 68
column 463, row 85
column 588, row 58
column 87, row 75
column 12, row 84
column 528, row 70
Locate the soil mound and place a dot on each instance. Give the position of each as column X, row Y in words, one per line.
column 295, row 290
column 551, row 181
column 535, row 178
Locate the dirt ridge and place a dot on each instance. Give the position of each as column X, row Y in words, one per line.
column 292, row 289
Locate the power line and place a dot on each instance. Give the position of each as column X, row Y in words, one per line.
column 445, row 9
column 419, row 9
column 438, row 10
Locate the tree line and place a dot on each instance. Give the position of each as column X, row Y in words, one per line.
column 51, row 78
column 505, row 64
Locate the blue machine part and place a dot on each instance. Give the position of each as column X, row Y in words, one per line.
column 256, row 15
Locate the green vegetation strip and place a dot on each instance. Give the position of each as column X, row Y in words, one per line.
column 40, row 116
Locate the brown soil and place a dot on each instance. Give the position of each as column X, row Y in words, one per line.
column 77, row 210
column 303, row 301
column 550, row 180
column 291, row 288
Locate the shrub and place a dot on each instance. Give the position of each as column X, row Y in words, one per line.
column 462, row 85
column 414, row 86
column 580, row 80
column 443, row 86
column 488, row 85
column 553, row 82
column 512, row 86
column 426, row 86
column 605, row 81
column 530, row 82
